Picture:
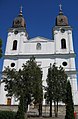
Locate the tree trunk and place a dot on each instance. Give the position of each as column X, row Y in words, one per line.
column 25, row 107
column 25, row 115
column 55, row 109
column 40, row 109
column 50, row 108
column 20, row 113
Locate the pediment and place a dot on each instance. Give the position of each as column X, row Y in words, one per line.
column 39, row 39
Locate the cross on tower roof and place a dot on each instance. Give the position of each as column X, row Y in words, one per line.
column 20, row 11
column 60, row 7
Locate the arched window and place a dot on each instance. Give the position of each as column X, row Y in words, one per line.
column 14, row 45
column 38, row 46
column 63, row 43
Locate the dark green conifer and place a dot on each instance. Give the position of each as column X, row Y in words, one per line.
column 56, row 86
column 69, row 103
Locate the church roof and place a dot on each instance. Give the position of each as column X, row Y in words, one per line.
column 19, row 21
column 61, row 19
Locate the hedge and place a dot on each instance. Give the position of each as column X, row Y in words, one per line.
column 7, row 115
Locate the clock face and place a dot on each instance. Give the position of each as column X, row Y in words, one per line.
column 62, row 30
column 15, row 32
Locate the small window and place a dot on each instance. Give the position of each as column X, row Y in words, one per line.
column 63, row 44
column 62, row 30
column 12, row 64
column 64, row 63
column 15, row 32
column 14, row 45
column 38, row 46
column 8, row 101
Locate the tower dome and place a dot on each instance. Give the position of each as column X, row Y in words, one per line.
column 61, row 19
column 19, row 20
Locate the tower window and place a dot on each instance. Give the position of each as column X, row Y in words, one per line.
column 38, row 46
column 14, row 45
column 63, row 44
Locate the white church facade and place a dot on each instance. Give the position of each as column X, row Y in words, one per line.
column 59, row 50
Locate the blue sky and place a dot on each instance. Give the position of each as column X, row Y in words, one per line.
column 40, row 18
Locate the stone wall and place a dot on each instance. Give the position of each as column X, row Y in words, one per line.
column 9, row 108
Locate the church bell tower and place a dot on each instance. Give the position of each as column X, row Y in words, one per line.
column 62, row 34
column 63, row 48
column 16, row 36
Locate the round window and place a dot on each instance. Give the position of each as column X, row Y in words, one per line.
column 62, row 30
column 15, row 32
column 64, row 63
column 12, row 64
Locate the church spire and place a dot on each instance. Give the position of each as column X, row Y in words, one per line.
column 19, row 21
column 61, row 19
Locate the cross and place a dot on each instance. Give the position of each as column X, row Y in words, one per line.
column 60, row 7
column 21, row 9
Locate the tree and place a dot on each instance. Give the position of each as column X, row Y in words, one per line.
column 38, row 91
column 49, row 94
column 69, row 103
column 20, row 112
column 0, row 48
column 25, row 84
column 56, row 86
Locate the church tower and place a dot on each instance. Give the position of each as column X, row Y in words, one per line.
column 63, row 34
column 63, row 48
column 17, row 35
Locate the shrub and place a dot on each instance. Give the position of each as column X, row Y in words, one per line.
column 7, row 115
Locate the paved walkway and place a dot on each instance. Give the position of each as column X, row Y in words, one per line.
column 59, row 117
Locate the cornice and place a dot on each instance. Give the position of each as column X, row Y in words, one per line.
column 42, row 55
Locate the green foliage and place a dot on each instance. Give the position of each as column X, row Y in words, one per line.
column 7, row 115
column 0, row 48
column 69, row 103
column 56, row 85
column 26, row 81
column 20, row 112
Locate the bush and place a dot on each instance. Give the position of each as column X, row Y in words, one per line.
column 7, row 115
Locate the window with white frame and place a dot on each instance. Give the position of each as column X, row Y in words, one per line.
column 38, row 46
